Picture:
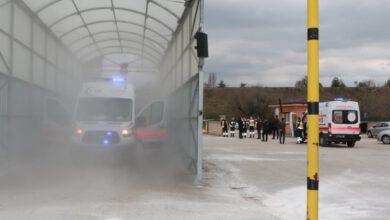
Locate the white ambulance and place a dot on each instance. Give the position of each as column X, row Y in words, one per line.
column 104, row 114
column 339, row 122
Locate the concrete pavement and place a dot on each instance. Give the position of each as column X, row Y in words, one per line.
column 243, row 179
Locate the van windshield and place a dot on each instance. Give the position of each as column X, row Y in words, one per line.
column 104, row 109
column 345, row 117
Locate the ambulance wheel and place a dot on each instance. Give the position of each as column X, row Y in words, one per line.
column 351, row 143
column 323, row 141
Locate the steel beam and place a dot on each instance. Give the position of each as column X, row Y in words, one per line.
column 116, row 23
column 84, row 23
column 152, row 59
column 31, row 51
column 144, row 30
column 124, row 32
column 133, row 49
column 56, row 1
column 46, row 61
column 200, row 106
column 5, row 63
column 12, row 38
column 112, row 21
column 80, row 12
column 165, row 8
column 79, row 50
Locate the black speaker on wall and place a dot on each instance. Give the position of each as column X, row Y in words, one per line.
column 202, row 44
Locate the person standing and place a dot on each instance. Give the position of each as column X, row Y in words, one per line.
column 265, row 130
column 252, row 124
column 240, row 128
column 224, row 126
column 245, row 128
column 304, row 125
column 275, row 129
column 299, row 126
column 282, row 131
column 259, row 125
column 232, row 125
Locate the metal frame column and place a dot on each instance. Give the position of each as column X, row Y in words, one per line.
column 200, row 106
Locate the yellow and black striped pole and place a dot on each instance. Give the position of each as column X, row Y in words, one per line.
column 313, row 109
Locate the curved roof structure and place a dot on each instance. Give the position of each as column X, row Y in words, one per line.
column 93, row 28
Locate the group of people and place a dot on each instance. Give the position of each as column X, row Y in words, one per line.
column 263, row 127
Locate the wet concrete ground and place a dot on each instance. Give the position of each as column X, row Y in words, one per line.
column 354, row 182
column 243, row 179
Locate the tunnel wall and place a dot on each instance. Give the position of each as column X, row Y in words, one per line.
column 22, row 113
column 182, row 79
column 34, row 65
column 30, row 52
column 33, row 60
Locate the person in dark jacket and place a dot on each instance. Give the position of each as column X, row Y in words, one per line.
column 265, row 130
column 240, row 128
column 224, row 126
column 304, row 122
column 275, row 129
column 282, row 131
column 259, row 125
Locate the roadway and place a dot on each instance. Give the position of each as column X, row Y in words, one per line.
column 243, row 179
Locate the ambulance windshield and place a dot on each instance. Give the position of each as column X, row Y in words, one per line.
column 104, row 109
column 345, row 117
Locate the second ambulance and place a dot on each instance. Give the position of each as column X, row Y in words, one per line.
column 339, row 122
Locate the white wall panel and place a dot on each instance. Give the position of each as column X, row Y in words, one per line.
column 39, row 39
column 51, row 49
column 5, row 16
column 38, row 71
column 98, row 15
column 21, row 63
column 61, row 59
column 4, row 49
column 22, row 27
column 51, row 77
column 62, row 8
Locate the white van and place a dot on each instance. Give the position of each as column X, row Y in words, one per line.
column 105, row 114
column 339, row 122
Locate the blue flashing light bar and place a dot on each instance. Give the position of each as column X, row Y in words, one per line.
column 106, row 142
column 118, row 79
column 109, row 133
column 341, row 99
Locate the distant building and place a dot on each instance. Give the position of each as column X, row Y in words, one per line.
column 290, row 110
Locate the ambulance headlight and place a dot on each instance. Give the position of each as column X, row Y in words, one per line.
column 125, row 132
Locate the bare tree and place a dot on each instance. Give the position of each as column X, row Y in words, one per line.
column 387, row 83
column 337, row 83
column 221, row 84
column 302, row 83
column 365, row 84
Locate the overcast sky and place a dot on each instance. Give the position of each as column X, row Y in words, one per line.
column 263, row 42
